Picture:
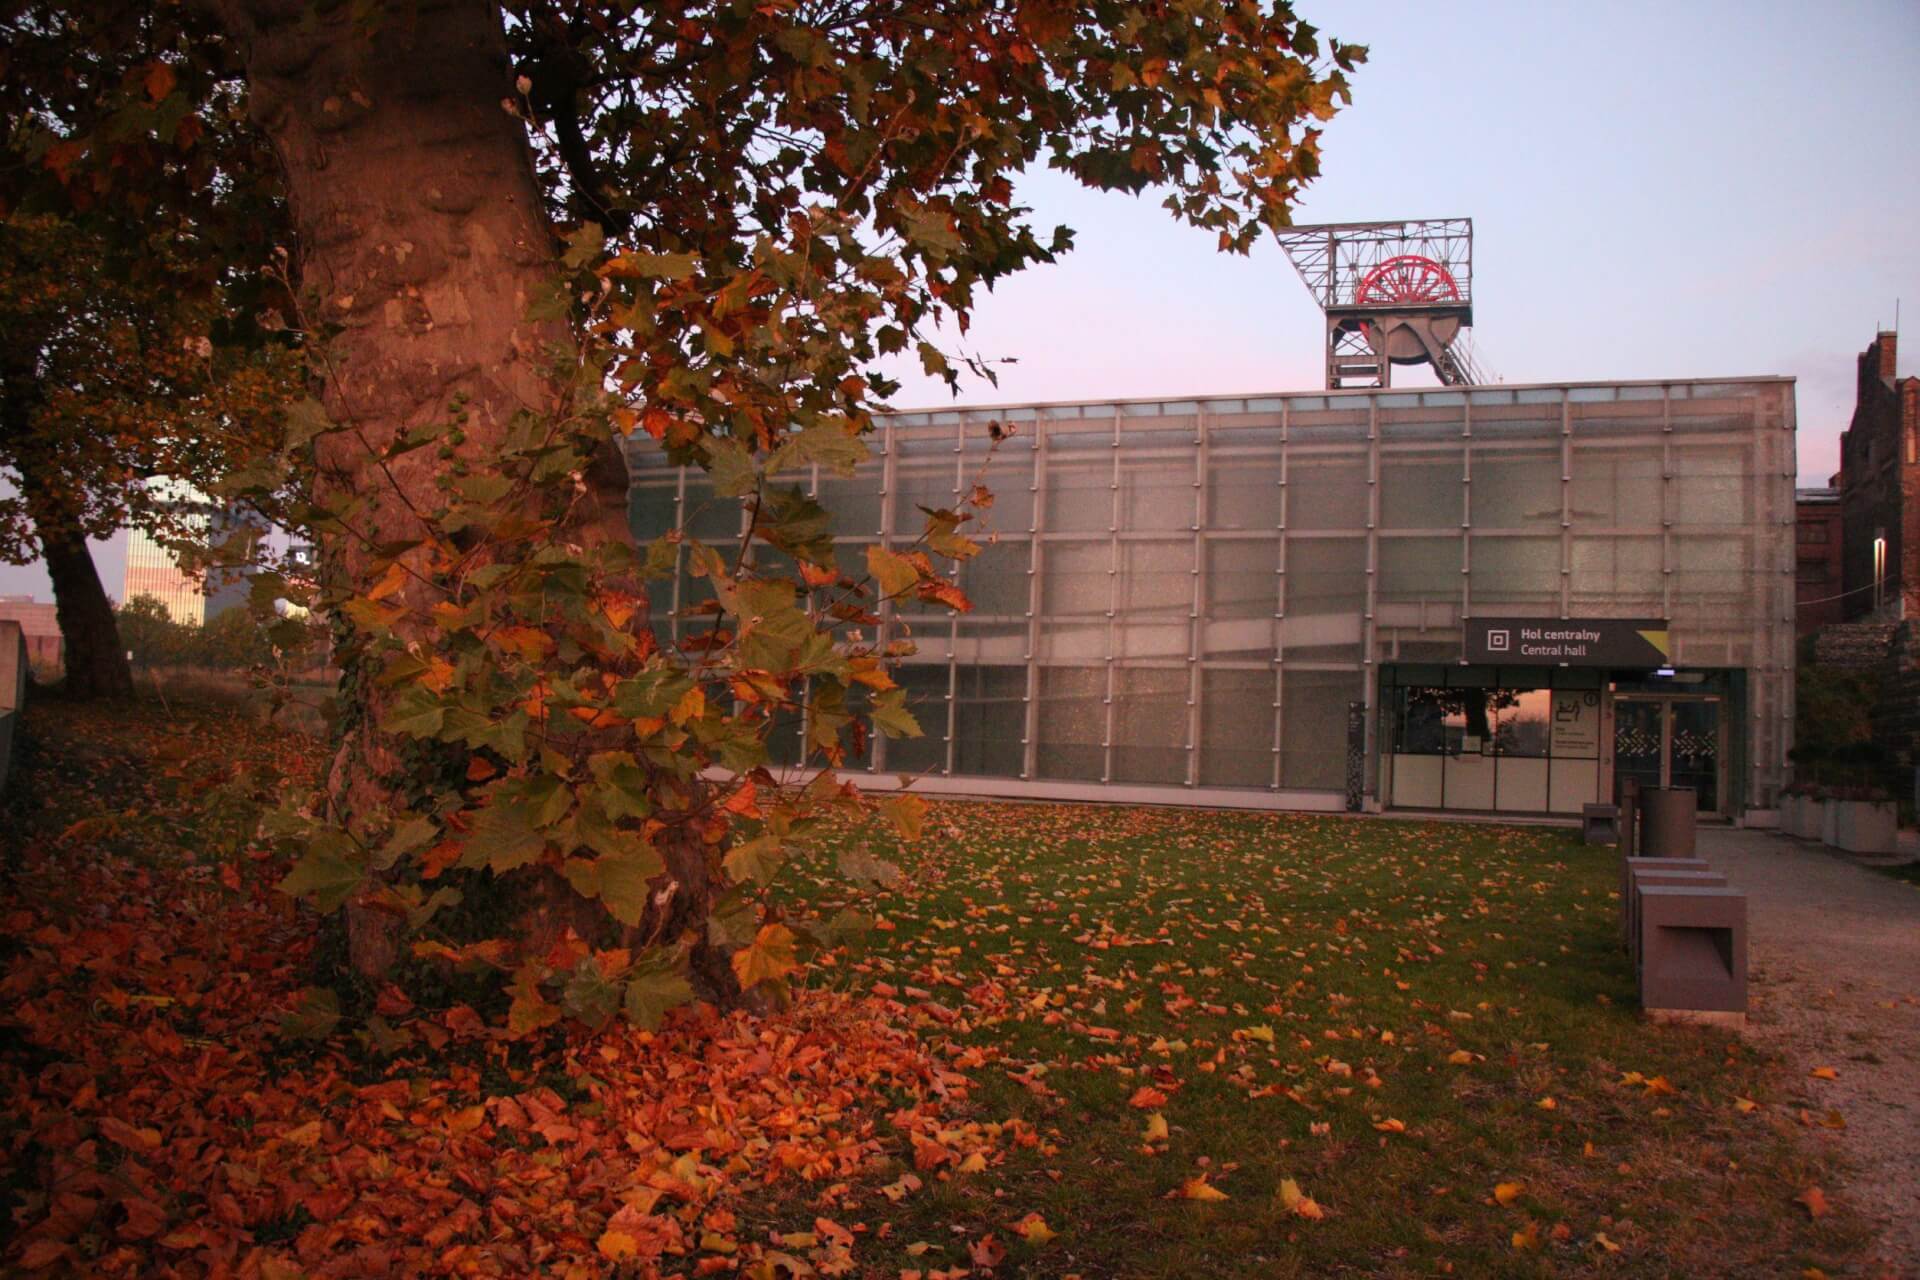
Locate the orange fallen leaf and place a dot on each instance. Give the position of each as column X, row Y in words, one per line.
column 1460, row 1058
column 1034, row 1230
column 1527, row 1240
column 1199, row 1189
column 1815, row 1200
column 1546, row 1104
column 1390, row 1125
column 1147, row 1098
column 1824, row 1073
column 1508, row 1192
column 1297, row 1202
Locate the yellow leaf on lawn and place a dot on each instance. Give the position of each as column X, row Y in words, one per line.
column 1508, row 1192
column 1034, row 1230
column 1200, row 1189
column 1815, row 1200
column 1460, row 1058
column 1658, row 1085
column 1745, row 1106
column 1546, row 1104
column 1824, row 1073
column 1298, row 1202
column 975, row 1163
column 1834, row 1120
column 1261, row 1033
column 1527, row 1240
column 1390, row 1125
column 1156, row 1128
column 1600, row 1238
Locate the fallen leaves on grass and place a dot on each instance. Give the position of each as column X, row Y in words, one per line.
column 1297, row 1202
column 1815, row 1202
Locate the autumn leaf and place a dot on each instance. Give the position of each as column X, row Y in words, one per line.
column 1147, row 1098
column 1527, row 1239
column 1824, row 1073
column 1815, row 1202
column 1199, row 1189
column 1507, row 1192
column 617, row 1245
column 1034, row 1230
column 1156, row 1130
column 769, row 958
column 1297, row 1202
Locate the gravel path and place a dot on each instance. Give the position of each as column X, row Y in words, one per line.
column 1834, row 981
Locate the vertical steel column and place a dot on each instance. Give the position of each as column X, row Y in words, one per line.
column 1566, row 511
column 1113, row 595
column 1666, row 509
column 1280, row 596
column 1369, row 625
column 1197, row 580
column 1036, row 566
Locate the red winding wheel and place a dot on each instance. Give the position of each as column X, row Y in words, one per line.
column 1407, row 278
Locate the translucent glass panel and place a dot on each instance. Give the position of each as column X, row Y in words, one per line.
column 1326, row 594
column 989, row 720
column 926, row 473
column 1153, row 616
column 1007, row 473
column 1313, row 737
column 1423, row 570
column 1157, row 492
column 1236, row 727
column 1150, row 725
column 1243, row 492
column 710, row 518
column 1713, row 575
column 651, row 503
column 1614, row 486
column 853, row 501
column 1515, row 488
column 1242, row 595
column 1422, row 490
column 996, row 581
column 1618, row 570
column 1513, row 571
column 1072, row 723
column 1078, row 493
column 1712, row 484
column 1326, row 491
column 927, row 690
column 1076, row 593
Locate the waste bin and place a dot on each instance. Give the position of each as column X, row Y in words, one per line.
column 1667, row 818
column 1630, row 817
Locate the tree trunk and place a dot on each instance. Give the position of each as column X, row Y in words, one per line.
column 96, row 665
column 424, row 237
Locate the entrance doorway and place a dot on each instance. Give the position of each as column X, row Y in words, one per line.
column 1676, row 741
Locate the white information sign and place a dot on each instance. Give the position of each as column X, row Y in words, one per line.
column 1576, row 723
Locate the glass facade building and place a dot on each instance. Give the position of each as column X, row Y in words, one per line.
column 1264, row 601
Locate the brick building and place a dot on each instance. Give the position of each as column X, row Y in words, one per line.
column 1818, row 569
column 1880, row 490
column 37, row 621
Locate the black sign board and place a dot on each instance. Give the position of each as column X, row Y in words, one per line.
column 1569, row 642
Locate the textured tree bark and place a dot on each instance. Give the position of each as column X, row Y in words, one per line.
column 96, row 665
column 424, row 237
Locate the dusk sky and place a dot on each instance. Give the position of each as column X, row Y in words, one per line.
column 1658, row 190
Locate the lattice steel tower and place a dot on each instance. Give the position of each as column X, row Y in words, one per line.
column 1394, row 293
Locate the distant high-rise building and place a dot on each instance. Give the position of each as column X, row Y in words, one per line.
column 152, row 570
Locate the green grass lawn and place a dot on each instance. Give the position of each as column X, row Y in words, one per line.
column 1399, row 1017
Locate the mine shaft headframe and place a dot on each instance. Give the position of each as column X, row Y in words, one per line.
column 1393, row 293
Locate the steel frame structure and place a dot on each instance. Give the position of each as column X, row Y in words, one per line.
column 1393, row 293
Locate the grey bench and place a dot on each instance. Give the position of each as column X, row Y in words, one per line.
column 1693, row 954
column 1644, row 879
column 1627, row 866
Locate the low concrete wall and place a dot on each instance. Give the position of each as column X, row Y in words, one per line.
column 13, row 690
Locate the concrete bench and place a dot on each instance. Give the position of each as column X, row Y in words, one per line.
column 1627, row 866
column 1600, row 823
column 1693, row 950
column 1646, row 879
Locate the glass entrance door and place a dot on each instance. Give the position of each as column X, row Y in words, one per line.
column 1670, row 742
